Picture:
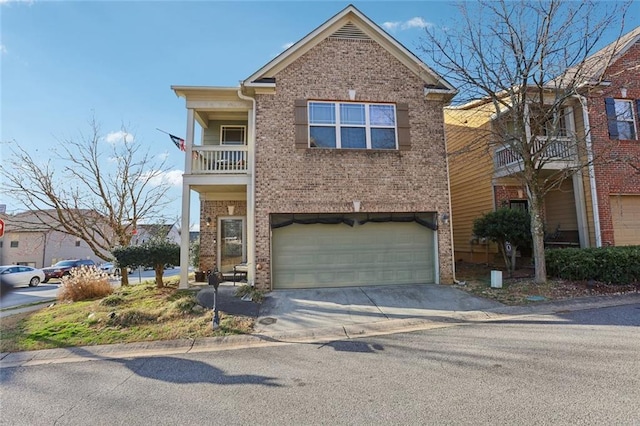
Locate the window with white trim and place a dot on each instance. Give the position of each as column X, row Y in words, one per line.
column 351, row 125
column 621, row 119
column 232, row 135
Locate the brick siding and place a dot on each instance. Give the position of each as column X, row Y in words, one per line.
column 290, row 180
column 613, row 173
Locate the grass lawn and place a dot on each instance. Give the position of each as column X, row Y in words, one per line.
column 134, row 313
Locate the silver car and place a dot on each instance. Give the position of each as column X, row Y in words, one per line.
column 17, row 275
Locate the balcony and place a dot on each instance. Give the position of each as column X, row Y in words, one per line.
column 219, row 159
column 558, row 153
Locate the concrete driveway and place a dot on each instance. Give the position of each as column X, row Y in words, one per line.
column 294, row 310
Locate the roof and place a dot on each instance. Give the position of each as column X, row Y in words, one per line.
column 348, row 23
column 594, row 66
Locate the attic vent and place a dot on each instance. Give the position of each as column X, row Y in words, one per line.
column 350, row 31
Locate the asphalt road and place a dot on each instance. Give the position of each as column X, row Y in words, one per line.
column 574, row 368
column 47, row 291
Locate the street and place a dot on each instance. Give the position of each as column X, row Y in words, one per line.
column 47, row 291
column 575, row 368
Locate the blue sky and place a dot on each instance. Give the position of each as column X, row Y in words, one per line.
column 61, row 62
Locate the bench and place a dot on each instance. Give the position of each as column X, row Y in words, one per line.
column 240, row 271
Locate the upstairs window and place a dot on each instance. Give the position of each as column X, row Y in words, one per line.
column 350, row 125
column 621, row 119
column 232, row 135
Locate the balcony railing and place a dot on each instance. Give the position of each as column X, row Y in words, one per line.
column 219, row 159
column 559, row 149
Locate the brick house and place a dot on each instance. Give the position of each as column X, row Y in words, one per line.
column 597, row 206
column 324, row 168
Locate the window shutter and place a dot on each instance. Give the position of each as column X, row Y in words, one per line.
column 402, row 117
column 301, row 124
column 610, row 107
column 638, row 108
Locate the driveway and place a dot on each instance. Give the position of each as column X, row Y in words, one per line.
column 292, row 310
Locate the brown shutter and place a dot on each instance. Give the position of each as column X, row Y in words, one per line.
column 301, row 123
column 402, row 117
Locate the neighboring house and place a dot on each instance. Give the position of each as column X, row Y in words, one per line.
column 27, row 242
column 326, row 167
column 599, row 205
column 146, row 232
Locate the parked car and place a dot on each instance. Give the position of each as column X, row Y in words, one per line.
column 17, row 275
column 111, row 269
column 64, row 268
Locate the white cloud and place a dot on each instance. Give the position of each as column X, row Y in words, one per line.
column 171, row 177
column 391, row 26
column 415, row 22
column 3, row 48
column 163, row 156
column 287, row 45
column 119, row 136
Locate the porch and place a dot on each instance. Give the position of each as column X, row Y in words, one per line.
column 557, row 153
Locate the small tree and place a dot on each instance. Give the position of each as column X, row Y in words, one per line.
column 94, row 187
column 528, row 61
column 155, row 254
column 505, row 226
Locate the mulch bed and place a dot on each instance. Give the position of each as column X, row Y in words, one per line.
column 521, row 288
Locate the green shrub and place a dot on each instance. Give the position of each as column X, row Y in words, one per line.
column 615, row 265
column 256, row 295
column 113, row 300
column 84, row 283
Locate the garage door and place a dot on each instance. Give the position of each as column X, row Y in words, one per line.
column 321, row 255
column 625, row 213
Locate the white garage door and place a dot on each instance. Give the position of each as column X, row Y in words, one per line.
column 625, row 213
column 320, row 255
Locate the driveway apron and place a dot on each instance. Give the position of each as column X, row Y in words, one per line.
column 294, row 310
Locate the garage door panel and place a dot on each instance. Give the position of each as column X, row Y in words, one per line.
column 625, row 214
column 322, row 255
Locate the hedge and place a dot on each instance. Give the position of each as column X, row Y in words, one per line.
column 615, row 265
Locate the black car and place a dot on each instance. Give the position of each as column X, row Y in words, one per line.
column 64, row 268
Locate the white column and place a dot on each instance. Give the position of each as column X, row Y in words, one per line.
column 189, row 140
column 581, row 209
column 251, row 214
column 184, row 236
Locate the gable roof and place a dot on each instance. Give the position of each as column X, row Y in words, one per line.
column 349, row 23
column 594, row 67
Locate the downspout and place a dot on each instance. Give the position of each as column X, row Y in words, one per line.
column 592, row 174
column 252, row 165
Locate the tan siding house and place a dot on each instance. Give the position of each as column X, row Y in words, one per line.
column 597, row 206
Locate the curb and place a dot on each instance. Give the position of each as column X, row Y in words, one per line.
column 318, row 335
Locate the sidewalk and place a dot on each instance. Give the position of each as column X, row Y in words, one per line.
column 310, row 335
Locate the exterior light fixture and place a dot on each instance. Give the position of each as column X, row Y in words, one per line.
column 444, row 217
column 209, row 221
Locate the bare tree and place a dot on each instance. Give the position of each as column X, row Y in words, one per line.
column 527, row 61
column 99, row 192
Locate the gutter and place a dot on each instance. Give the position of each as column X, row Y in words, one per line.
column 252, row 163
column 592, row 175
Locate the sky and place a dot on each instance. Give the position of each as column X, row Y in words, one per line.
column 62, row 62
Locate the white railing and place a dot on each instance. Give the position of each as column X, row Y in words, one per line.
column 219, row 159
column 558, row 149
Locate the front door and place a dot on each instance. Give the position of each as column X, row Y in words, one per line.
column 232, row 247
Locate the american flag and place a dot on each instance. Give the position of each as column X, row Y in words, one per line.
column 178, row 141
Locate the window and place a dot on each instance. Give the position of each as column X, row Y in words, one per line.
column 519, row 205
column 352, row 125
column 232, row 135
column 621, row 119
column 14, row 244
column 77, row 243
column 548, row 123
